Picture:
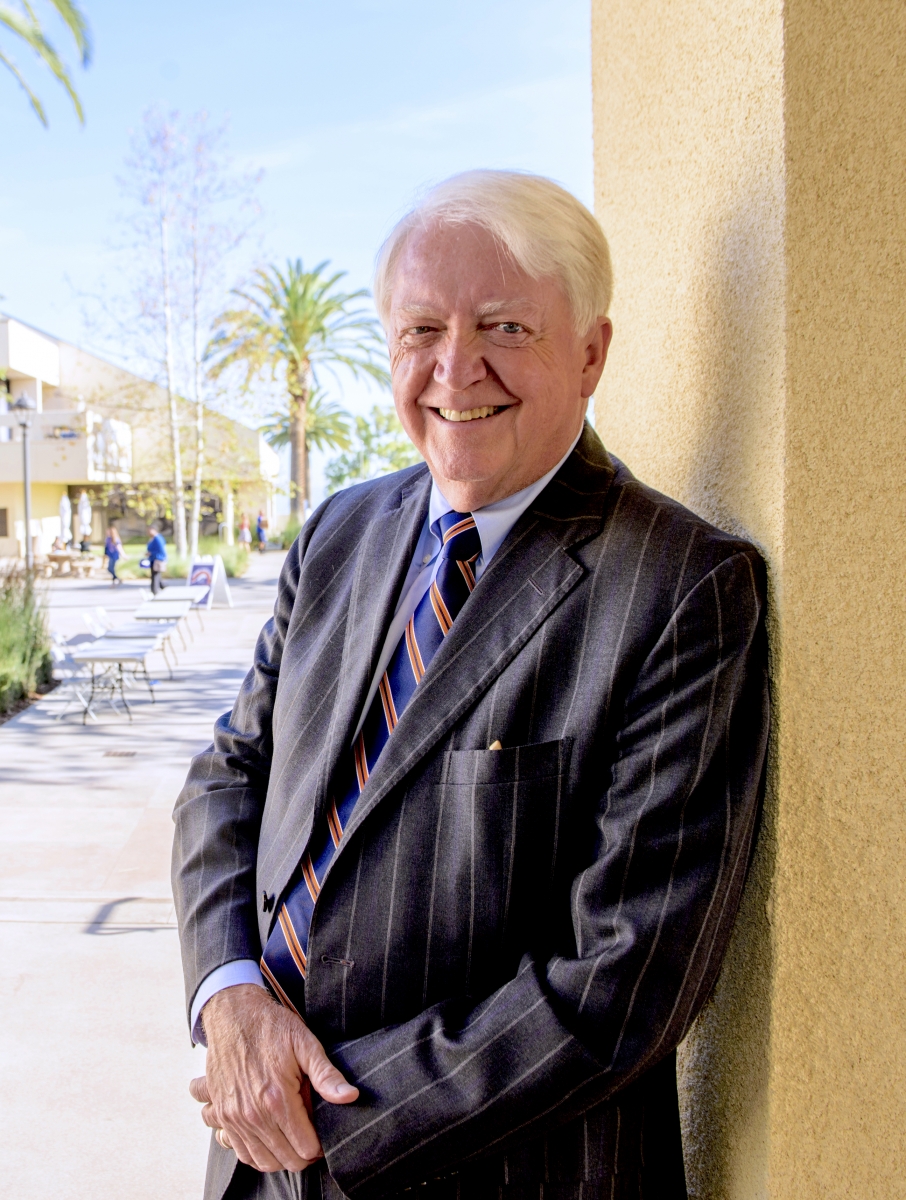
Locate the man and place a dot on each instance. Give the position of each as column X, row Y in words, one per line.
column 157, row 557
column 261, row 530
column 485, row 802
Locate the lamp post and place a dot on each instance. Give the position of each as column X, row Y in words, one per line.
column 23, row 408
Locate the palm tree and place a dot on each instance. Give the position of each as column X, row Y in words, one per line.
column 290, row 323
column 379, row 445
column 24, row 23
column 326, row 428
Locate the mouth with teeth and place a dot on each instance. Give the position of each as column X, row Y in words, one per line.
column 471, row 414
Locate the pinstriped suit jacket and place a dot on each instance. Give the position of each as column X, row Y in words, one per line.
column 509, row 944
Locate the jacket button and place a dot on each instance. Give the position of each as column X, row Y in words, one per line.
column 267, row 902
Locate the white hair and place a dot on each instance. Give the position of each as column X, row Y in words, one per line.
column 543, row 228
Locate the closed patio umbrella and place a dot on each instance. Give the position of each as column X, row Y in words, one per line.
column 65, row 519
column 84, row 518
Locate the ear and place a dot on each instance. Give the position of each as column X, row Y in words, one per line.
column 597, row 343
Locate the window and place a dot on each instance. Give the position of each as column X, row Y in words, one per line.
column 4, row 532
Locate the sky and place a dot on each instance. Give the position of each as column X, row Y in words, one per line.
column 349, row 108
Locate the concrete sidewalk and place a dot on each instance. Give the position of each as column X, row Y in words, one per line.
column 93, row 1042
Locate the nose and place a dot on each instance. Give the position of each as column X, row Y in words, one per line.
column 459, row 362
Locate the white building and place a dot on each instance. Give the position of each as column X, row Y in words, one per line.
column 98, row 428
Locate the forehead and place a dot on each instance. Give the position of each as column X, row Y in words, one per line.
column 460, row 266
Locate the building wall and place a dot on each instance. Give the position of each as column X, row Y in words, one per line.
column 119, row 450
column 750, row 176
column 45, row 515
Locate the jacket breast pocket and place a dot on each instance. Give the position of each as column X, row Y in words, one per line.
column 498, row 815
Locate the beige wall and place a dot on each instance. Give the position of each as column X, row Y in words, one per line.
column 750, row 161
column 45, row 515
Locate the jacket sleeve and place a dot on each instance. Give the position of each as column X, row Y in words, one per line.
column 650, row 917
column 218, row 812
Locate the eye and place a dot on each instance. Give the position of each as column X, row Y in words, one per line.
column 510, row 327
column 416, row 329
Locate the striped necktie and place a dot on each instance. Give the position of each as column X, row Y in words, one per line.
column 284, row 963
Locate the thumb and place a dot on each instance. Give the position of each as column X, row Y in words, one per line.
column 198, row 1089
column 327, row 1081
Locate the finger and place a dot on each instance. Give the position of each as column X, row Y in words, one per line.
column 244, row 1153
column 273, row 1154
column 247, row 1150
column 274, row 1134
column 198, row 1090
column 209, row 1117
column 328, row 1082
column 288, row 1129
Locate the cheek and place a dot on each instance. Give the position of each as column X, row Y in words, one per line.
column 406, row 390
column 410, row 374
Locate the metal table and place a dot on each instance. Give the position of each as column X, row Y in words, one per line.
column 160, row 631
column 194, row 592
column 164, row 610
column 112, row 655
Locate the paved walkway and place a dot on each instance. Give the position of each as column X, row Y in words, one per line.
column 94, row 1053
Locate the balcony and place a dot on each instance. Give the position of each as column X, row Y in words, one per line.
column 67, row 448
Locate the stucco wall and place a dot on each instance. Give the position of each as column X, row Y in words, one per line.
column 750, row 176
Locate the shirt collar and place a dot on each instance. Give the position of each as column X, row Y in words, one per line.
column 495, row 521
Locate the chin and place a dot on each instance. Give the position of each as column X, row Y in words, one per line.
column 467, row 465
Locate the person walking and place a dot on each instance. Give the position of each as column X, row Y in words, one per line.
column 157, row 554
column 245, row 533
column 113, row 550
column 261, row 530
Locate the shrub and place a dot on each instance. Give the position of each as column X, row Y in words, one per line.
column 25, row 661
column 289, row 534
column 235, row 560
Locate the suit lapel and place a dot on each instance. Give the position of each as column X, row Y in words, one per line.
column 530, row 576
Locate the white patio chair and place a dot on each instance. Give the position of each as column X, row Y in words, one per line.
column 94, row 625
column 73, row 676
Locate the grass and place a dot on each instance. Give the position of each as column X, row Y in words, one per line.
column 235, row 559
column 25, row 662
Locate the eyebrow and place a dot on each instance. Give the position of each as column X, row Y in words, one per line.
column 495, row 306
column 489, row 309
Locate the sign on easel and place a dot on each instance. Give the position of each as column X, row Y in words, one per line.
column 208, row 570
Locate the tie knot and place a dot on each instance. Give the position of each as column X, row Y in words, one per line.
column 459, row 536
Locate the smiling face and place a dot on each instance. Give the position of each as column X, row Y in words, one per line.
column 490, row 379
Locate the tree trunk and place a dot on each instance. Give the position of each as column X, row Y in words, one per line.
column 179, row 503
column 229, row 514
column 195, row 523
column 298, row 473
column 199, row 406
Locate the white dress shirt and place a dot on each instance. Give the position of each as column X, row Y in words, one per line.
column 494, row 522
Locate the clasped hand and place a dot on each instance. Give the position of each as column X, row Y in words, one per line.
column 262, row 1063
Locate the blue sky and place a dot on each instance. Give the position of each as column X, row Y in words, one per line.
column 349, row 107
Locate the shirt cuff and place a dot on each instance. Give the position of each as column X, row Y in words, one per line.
column 241, row 970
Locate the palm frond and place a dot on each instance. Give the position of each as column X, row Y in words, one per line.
column 26, row 26
column 32, row 98
column 291, row 320
column 75, row 21
column 327, row 425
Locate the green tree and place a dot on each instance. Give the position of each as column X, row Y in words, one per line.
column 380, row 446
column 326, row 428
column 24, row 23
column 289, row 324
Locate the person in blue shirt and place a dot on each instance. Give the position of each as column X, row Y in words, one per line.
column 261, row 530
column 157, row 553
